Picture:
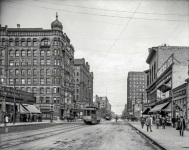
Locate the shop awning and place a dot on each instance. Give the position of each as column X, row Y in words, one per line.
column 167, row 109
column 159, row 107
column 32, row 109
column 22, row 109
column 146, row 111
column 77, row 110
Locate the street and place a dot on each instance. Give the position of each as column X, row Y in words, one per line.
column 108, row 135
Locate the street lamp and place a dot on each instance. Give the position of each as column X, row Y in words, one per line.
column 14, row 111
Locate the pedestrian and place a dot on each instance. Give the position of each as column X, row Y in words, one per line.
column 157, row 122
column 182, row 126
column 116, row 118
column 149, row 123
column 6, row 119
column 177, row 122
column 163, row 120
column 142, row 120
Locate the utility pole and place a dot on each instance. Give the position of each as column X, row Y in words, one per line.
column 142, row 104
column 14, row 111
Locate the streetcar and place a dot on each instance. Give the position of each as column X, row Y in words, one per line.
column 91, row 115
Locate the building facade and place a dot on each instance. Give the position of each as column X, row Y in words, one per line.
column 83, row 84
column 136, row 91
column 40, row 61
column 168, row 69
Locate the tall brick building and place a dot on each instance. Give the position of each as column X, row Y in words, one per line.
column 136, row 89
column 83, row 83
column 40, row 61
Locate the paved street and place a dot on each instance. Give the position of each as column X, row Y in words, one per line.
column 108, row 135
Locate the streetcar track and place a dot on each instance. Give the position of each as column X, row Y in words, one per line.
column 8, row 145
column 26, row 132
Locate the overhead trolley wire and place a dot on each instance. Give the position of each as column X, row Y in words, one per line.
column 114, row 9
column 93, row 14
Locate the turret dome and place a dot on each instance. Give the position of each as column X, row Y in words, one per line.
column 56, row 25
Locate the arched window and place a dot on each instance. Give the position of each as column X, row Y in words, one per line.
column 42, row 53
column 55, row 42
column 17, row 72
column 48, row 53
column 34, row 72
column 42, row 72
column 48, row 72
column 11, row 53
column 23, row 53
column 17, row 53
column 45, row 42
column 29, row 53
column 29, row 72
column 35, row 53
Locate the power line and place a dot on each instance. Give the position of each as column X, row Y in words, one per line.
column 93, row 14
column 118, row 37
column 113, row 9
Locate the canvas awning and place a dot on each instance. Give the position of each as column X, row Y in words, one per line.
column 167, row 109
column 159, row 107
column 32, row 109
column 145, row 112
column 22, row 109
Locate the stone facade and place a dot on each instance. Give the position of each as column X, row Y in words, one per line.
column 40, row 61
column 83, row 84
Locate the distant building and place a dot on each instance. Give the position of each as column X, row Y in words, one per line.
column 83, row 84
column 40, row 61
column 102, row 102
column 136, row 90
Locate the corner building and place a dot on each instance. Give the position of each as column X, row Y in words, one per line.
column 40, row 61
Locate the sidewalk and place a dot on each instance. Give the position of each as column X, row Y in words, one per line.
column 32, row 123
column 169, row 138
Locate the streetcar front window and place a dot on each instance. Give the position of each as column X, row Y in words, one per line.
column 88, row 112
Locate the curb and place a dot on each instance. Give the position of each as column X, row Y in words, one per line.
column 154, row 142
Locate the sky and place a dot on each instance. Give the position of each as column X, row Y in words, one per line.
column 112, row 35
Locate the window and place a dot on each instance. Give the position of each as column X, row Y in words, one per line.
column 48, row 53
column 34, row 52
column 41, row 90
column 45, row 42
column 48, row 90
column 22, row 89
column 28, row 89
column 23, row 43
column 16, row 72
column 48, row 61
column 55, row 42
column 35, row 42
column 77, row 73
column 11, row 63
column 23, row 72
column 34, row 89
column 57, row 62
column 35, row 62
column 41, row 99
column 29, row 53
column 48, row 100
column 11, row 42
column 29, row 72
column 23, row 53
column 42, row 62
column 10, row 72
column 29, row 42
column 48, row 72
column 11, row 53
column 42, row 72
column 17, row 63
column 57, row 81
column 35, row 81
column 17, row 81
column 17, row 42
column 28, row 81
column 11, row 82
column 42, row 81
column 23, row 63
column 17, row 54
column 42, row 53
column 29, row 62
column 23, row 81
column 34, row 72
column 48, row 81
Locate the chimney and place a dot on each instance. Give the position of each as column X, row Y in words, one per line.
column 18, row 25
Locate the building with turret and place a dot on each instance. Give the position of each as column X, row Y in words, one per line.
column 40, row 61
